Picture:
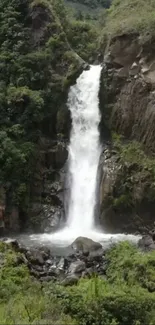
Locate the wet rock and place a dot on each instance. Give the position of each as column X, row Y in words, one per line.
column 102, row 269
column 49, row 262
column 134, row 69
column 146, row 243
column 57, row 156
column 96, row 255
column 86, row 66
column 62, row 263
column 88, row 272
column 77, row 267
column 23, row 250
column 45, row 251
column 21, row 260
column 13, row 242
column 35, row 257
column 53, row 270
column 35, row 273
column 84, row 244
column 51, row 217
column 70, row 280
column 38, row 268
column 46, row 278
column 43, row 274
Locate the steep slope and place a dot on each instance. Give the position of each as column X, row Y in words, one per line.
column 127, row 104
column 88, row 8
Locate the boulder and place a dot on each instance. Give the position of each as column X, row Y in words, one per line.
column 62, row 264
column 96, row 255
column 45, row 251
column 70, row 280
column 88, row 272
column 146, row 243
column 49, row 262
column 52, row 270
column 77, row 267
column 35, row 257
column 84, row 244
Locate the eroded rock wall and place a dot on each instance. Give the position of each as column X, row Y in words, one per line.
column 127, row 101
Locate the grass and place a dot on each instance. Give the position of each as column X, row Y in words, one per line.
column 136, row 179
column 130, row 16
column 132, row 153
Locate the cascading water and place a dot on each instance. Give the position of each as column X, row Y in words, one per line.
column 84, row 153
column 84, row 149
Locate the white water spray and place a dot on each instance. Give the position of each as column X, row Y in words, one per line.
column 84, row 149
column 84, row 153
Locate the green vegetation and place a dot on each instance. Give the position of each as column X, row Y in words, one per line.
column 82, row 36
column 38, row 40
column 137, row 176
column 133, row 153
column 95, row 3
column 90, row 11
column 130, row 16
column 125, row 296
column 42, row 46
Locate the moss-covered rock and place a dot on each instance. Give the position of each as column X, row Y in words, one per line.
column 127, row 188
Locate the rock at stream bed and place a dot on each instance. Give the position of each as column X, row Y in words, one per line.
column 70, row 280
column 35, row 257
column 77, row 267
column 146, row 243
column 83, row 244
column 96, row 255
column 13, row 242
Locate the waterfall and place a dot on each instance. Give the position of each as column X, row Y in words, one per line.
column 84, row 149
column 84, row 154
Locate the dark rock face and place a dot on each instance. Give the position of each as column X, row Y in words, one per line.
column 47, row 210
column 130, row 76
column 125, row 203
column 127, row 107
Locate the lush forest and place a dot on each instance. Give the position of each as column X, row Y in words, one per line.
column 38, row 61
column 44, row 46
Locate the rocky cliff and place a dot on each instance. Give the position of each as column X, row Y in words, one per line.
column 127, row 98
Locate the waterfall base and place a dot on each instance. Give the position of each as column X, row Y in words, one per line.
column 66, row 237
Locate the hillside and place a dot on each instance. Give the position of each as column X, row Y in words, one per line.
column 88, row 8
